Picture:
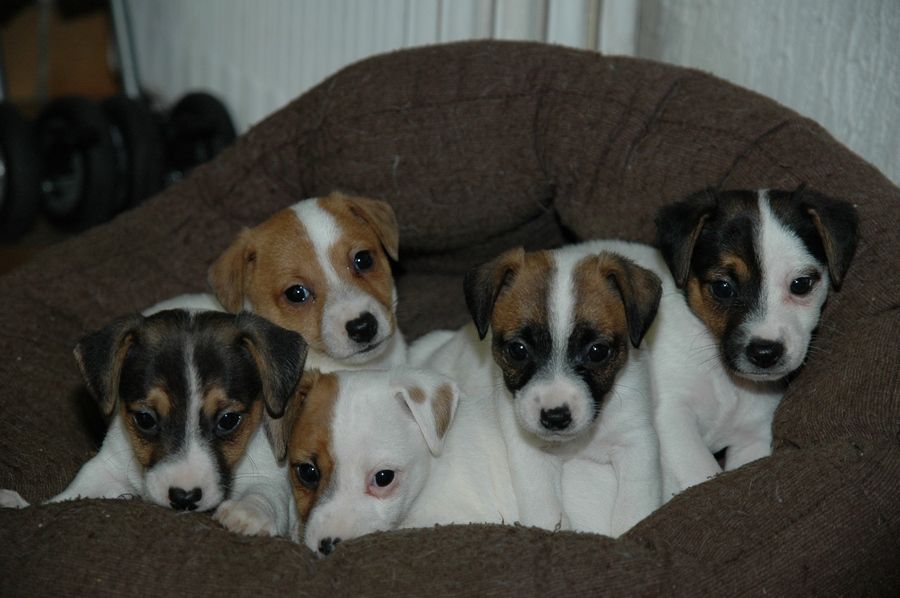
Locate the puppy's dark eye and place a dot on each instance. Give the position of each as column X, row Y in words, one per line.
column 297, row 294
column 227, row 423
column 384, row 478
column 146, row 422
column 722, row 289
column 308, row 474
column 803, row 285
column 517, row 351
column 363, row 261
column 598, row 353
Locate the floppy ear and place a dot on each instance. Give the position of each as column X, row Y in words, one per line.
column 837, row 223
column 483, row 284
column 380, row 216
column 279, row 355
column 100, row 356
column 431, row 398
column 640, row 290
column 227, row 274
column 677, row 227
column 279, row 429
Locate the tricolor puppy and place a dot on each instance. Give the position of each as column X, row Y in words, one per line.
column 187, row 393
column 377, row 450
column 570, row 387
column 319, row 268
column 755, row 268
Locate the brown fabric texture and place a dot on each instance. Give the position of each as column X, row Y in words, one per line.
column 479, row 147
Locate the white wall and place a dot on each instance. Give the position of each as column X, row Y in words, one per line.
column 260, row 54
column 837, row 61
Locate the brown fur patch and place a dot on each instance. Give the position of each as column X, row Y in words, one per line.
column 147, row 451
column 417, row 394
column 443, row 403
column 360, row 234
column 704, row 305
column 160, row 401
column 275, row 255
column 524, row 299
column 597, row 301
column 736, row 265
column 310, row 441
column 233, row 447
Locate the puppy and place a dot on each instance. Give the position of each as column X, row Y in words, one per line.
column 187, row 393
column 754, row 268
column 378, row 450
column 319, row 268
column 561, row 363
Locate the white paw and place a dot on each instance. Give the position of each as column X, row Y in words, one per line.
column 243, row 517
column 10, row 499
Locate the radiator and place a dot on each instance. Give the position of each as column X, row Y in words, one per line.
column 259, row 55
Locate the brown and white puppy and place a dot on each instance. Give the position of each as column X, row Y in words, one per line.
column 187, row 394
column 320, row 268
column 571, row 390
column 377, row 450
column 755, row 268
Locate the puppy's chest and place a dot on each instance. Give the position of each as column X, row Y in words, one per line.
column 727, row 411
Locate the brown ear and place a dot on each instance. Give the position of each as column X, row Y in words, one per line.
column 100, row 356
column 640, row 290
column 677, row 227
column 279, row 355
column 483, row 285
column 432, row 400
column 837, row 224
column 380, row 216
column 279, row 429
column 227, row 274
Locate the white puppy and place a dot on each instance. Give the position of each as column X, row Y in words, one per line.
column 570, row 386
column 377, row 450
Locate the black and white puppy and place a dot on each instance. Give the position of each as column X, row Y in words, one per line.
column 187, row 393
column 755, row 268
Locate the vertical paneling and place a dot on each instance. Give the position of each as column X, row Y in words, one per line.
column 259, row 55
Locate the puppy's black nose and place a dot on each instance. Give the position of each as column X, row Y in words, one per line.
column 557, row 418
column 326, row 546
column 184, row 500
column 764, row 353
column 363, row 329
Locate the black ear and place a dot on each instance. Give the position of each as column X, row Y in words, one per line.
column 837, row 223
column 483, row 284
column 279, row 355
column 100, row 356
column 640, row 290
column 677, row 227
column 279, row 430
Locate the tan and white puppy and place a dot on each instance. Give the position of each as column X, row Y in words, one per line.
column 754, row 268
column 378, row 450
column 187, row 394
column 571, row 389
column 320, row 268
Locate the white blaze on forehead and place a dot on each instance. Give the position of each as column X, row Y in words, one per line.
column 561, row 303
column 323, row 230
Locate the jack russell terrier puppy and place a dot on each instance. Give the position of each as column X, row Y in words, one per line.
column 569, row 385
column 754, row 268
column 320, row 268
column 379, row 450
column 187, row 393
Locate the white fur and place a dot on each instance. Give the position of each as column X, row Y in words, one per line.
column 699, row 407
column 782, row 316
column 604, row 479
column 463, row 478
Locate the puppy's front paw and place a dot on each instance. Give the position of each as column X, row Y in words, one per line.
column 10, row 499
column 244, row 517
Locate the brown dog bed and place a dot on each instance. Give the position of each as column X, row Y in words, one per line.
column 478, row 146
